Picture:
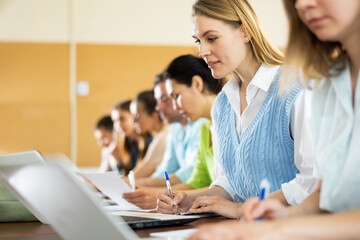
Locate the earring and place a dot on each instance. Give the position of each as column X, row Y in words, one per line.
column 246, row 40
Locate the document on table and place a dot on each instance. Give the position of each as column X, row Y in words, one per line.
column 112, row 185
column 177, row 234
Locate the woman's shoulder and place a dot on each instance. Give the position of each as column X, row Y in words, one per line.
column 220, row 99
column 206, row 125
column 165, row 130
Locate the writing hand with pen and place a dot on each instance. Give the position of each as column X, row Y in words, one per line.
column 216, row 204
column 143, row 197
column 172, row 202
column 180, row 202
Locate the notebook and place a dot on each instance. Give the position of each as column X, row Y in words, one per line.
column 75, row 212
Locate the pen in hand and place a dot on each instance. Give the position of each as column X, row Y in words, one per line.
column 169, row 189
column 131, row 177
column 264, row 191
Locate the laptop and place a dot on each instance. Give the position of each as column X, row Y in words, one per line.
column 17, row 161
column 73, row 210
column 69, row 207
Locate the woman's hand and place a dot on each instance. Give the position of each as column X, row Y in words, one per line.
column 231, row 230
column 217, row 205
column 144, row 198
column 165, row 204
column 126, row 180
column 253, row 208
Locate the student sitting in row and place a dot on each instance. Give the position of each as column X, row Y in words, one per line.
column 147, row 120
column 106, row 139
column 118, row 140
column 257, row 133
column 180, row 154
column 132, row 144
column 324, row 43
column 193, row 89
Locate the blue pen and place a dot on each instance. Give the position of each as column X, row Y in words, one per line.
column 169, row 189
column 264, row 191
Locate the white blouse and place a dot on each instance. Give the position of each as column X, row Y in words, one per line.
column 303, row 184
column 108, row 162
column 336, row 128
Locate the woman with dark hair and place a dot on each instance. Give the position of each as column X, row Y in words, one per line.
column 147, row 120
column 128, row 147
column 106, row 140
column 193, row 88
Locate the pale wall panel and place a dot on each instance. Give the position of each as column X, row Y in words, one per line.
column 154, row 22
column 150, row 22
column 273, row 18
column 34, row 20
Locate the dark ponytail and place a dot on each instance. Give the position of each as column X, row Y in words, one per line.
column 183, row 68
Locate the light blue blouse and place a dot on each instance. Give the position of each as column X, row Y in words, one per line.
column 181, row 150
column 336, row 132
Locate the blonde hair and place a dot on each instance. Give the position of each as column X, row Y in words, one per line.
column 237, row 13
column 305, row 51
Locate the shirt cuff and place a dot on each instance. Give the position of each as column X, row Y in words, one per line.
column 294, row 192
column 317, row 173
column 221, row 182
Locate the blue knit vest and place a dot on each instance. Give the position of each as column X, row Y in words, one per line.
column 265, row 149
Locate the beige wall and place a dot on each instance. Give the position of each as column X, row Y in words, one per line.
column 114, row 72
column 34, row 97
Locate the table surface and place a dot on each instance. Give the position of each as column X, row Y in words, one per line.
column 39, row 231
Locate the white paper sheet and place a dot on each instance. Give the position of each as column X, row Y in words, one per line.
column 117, row 208
column 112, row 185
column 177, row 234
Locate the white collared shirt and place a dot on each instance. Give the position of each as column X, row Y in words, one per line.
column 299, row 188
column 336, row 128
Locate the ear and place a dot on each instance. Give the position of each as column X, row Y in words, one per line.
column 244, row 32
column 197, row 83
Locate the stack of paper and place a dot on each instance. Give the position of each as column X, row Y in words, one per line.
column 112, row 185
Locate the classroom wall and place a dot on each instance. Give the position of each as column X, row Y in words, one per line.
column 115, row 72
column 34, row 97
column 118, row 47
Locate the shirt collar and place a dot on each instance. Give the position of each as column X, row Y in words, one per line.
column 264, row 77
column 262, row 80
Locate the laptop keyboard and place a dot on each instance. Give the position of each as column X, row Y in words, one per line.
column 137, row 219
column 145, row 222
